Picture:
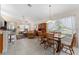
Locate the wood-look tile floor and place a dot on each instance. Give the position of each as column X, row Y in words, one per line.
column 31, row 47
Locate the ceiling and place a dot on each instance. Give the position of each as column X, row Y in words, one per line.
column 36, row 12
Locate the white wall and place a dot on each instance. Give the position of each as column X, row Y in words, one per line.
column 1, row 19
column 0, row 16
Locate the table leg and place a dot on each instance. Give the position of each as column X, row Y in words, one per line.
column 58, row 46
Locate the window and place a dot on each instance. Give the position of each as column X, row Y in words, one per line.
column 66, row 24
column 23, row 27
column 10, row 26
column 51, row 25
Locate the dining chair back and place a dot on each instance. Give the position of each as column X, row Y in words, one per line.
column 71, row 46
column 74, row 41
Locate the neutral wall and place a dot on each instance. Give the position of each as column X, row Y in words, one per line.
column 0, row 15
column 1, row 19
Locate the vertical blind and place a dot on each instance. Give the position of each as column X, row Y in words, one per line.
column 63, row 23
column 68, row 22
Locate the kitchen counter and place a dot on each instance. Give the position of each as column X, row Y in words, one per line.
column 4, row 38
column 1, row 41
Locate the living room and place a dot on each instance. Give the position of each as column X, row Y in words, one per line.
column 30, row 29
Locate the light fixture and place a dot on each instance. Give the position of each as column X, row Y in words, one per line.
column 23, row 17
column 50, row 11
column 49, row 5
column 29, row 5
column 51, row 21
column 50, row 17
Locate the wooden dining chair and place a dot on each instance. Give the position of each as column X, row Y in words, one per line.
column 53, row 41
column 42, row 39
column 71, row 46
column 39, row 35
column 50, row 39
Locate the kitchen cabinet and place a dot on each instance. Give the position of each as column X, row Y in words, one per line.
column 1, row 43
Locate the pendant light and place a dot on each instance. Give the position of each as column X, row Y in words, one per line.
column 29, row 5
column 50, row 17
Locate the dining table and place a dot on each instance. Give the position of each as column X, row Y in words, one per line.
column 57, row 38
